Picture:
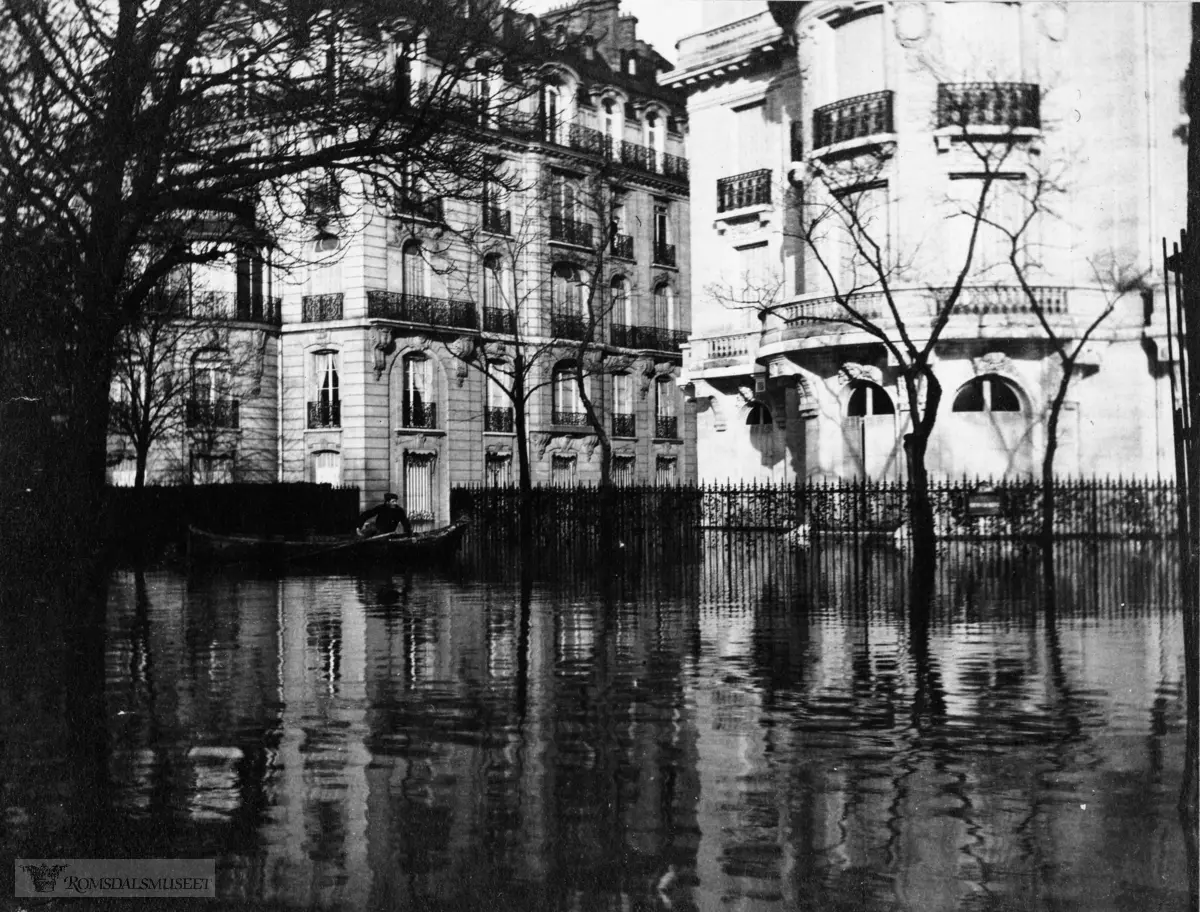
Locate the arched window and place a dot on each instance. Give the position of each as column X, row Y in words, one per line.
column 654, row 138
column 418, row 408
column 758, row 414
column 566, row 406
column 564, row 290
column 413, row 275
column 210, row 405
column 325, row 409
column 868, row 398
column 664, row 306
column 666, row 421
column 552, row 113
column 624, row 419
column 988, row 393
column 612, row 127
column 622, row 309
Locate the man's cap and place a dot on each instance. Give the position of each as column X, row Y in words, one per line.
column 390, row 496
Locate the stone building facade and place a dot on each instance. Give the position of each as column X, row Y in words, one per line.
column 1082, row 98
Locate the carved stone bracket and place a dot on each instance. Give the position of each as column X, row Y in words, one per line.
column 540, row 441
column 994, row 363
column 593, row 360
column 589, row 444
column 463, row 349
column 495, row 350
column 852, row 371
column 381, row 346
column 499, row 449
column 619, row 362
column 645, row 368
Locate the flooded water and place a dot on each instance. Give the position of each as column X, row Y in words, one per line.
column 733, row 725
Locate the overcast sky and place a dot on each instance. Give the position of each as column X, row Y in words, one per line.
column 663, row 22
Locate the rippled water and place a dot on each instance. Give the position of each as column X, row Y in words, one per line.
column 733, row 727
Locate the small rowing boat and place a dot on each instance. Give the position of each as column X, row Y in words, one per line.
column 438, row 544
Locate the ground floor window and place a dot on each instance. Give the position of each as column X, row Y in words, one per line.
column 420, row 471
column 123, row 474
column 327, row 468
column 664, row 470
column 562, row 470
column 622, row 470
column 210, row 469
column 497, row 470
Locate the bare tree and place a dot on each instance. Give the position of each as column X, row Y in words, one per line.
column 146, row 137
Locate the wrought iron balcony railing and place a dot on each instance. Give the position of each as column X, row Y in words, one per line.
column 664, row 254
column 624, row 424
column 498, row 419
column 585, row 139
column 750, row 189
column 570, row 231
column 497, row 220
column 324, row 414
column 409, row 308
column 499, row 320
column 568, row 326
column 228, row 305
column 852, row 118
column 989, row 104
column 566, row 418
column 322, row 200
column 639, row 157
column 419, row 415
column 212, row 413
column 622, row 246
column 675, row 166
column 317, row 308
column 420, row 204
column 666, row 426
column 647, row 337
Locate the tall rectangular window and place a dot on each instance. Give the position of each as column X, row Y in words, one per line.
column 497, row 470
column 420, row 488
column 662, row 224
column 664, row 470
column 622, row 470
column 562, row 470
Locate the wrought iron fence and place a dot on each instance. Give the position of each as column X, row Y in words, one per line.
column 410, row 308
column 750, row 189
column 316, row 308
column 852, row 118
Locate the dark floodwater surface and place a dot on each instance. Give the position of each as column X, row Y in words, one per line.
column 730, row 728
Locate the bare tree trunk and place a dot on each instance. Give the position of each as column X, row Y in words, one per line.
column 1047, row 530
column 524, row 469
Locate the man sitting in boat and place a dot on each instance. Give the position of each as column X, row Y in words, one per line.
column 387, row 516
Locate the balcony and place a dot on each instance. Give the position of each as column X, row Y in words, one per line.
column 565, row 418
column 621, row 246
column 666, row 426
column 568, row 326
column 1013, row 105
column 228, row 305
column 497, row 220
column 410, row 308
column 322, row 200
column 499, row 320
column 570, row 231
column 624, row 424
column 750, row 189
column 212, row 413
column 324, row 414
column 675, row 166
column 852, row 118
column 585, row 139
column 664, row 254
column 318, row 308
column 639, row 157
column 420, row 204
column 422, row 415
column 498, row 419
column 650, row 338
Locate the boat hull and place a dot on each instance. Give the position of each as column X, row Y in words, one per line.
column 439, row 544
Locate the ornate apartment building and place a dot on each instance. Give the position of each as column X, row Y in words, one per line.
column 899, row 113
column 391, row 342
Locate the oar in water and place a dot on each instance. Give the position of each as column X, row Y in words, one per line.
column 350, row 544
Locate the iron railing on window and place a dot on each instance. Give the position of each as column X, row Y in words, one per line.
column 990, row 104
column 647, row 337
column 852, row 118
column 586, row 139
column 622, row 246
column 639, row 157
column 420, row 204
column 624, row 424
column 419, row 415
column 316, row 308
column 497, row 220
column 750, row 189
column 570, row 231
column 410, row 308
column 568, row 326
column 664, row 254
column 212, row 413
column 566, row 418
column 674, row 166
column 499, row 320
column 666, row 426
column 227, row 305
column 498, row 419
column 323, row 414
